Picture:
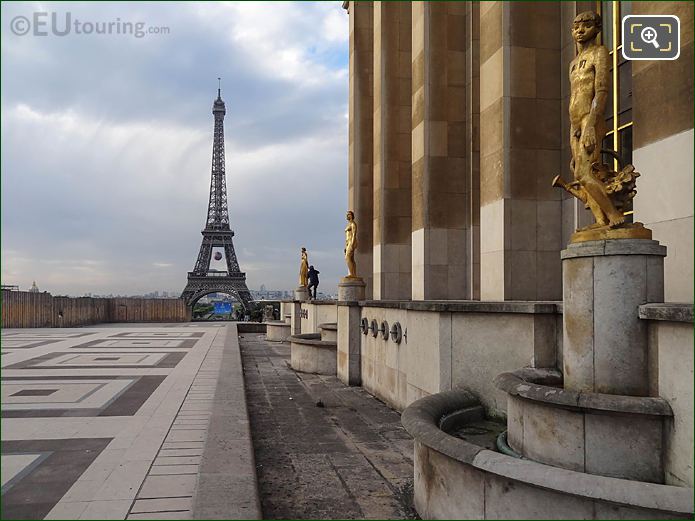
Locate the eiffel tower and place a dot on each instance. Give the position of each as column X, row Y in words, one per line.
column 217, row 233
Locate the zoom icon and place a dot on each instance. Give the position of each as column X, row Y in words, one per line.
column 651, row 37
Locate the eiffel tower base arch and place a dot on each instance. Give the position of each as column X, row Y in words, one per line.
column 198, row 287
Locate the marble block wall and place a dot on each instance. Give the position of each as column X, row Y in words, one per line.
column 392, row 158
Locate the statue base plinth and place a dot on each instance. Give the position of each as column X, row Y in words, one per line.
column 605, row 347
column 351, row 289
column 301, row 294
column 602, row 233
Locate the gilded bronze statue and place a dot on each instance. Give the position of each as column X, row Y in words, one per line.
column 304, row 269
column 350, row 245
column 605, row 193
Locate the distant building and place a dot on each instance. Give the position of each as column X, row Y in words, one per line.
column 34, row 288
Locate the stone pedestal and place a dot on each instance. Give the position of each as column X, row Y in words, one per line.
column 351, row 289
column 349, row 344
column 604, row 341
column 296, row 319
column 301, row 294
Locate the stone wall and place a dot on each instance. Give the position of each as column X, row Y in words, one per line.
column 671, row 378
column 384, row 363
column 663, row 150
column 456, row 345
column 465, row 345
column 458, row 123
column 315, row 313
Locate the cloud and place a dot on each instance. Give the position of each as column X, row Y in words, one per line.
column 106, row 144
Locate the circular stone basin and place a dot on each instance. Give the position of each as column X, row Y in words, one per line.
column 604, row 434
column 310, row 354
column 458, row 479
column 329, row 331
column 277, row 331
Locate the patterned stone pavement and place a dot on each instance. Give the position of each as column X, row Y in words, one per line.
column 106, row 422
column 346, row 458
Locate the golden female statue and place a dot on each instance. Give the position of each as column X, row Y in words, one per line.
column 350, row 245
column 304, row 269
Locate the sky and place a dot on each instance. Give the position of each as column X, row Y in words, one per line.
column 107, row 139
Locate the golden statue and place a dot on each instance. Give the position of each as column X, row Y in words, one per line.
column 304, row 269
column 605, row 192
column 350, row 245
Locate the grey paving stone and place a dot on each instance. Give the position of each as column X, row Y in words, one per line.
column 185, row 514
column 180, row 452
column 161, row 470
column 168, row 486
column 178, row 460
column 183, row 445
column 161, row 505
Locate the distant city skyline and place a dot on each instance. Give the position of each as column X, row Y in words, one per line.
column 171, row 293
column 106, row 163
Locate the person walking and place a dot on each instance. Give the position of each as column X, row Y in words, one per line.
column 313, row 280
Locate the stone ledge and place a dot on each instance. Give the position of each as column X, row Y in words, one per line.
column 227, row 484
column 421, row 420
column 321, row 302
column 251, row 327
column 469, row 306
column 528, row 383
column 329, row 326
column 348, row 303
column 311, row 339
column 667, row 311
column 613, row 247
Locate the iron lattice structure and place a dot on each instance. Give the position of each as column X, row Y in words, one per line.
column 217, row 233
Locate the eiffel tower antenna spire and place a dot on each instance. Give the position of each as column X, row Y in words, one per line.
column 217, row 232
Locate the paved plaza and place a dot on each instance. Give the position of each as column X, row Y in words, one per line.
column 150, row 422
column 110, row 422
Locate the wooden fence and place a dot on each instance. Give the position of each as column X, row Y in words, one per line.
column 25, row 309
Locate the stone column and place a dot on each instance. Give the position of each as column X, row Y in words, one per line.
column 520, row 140
column 349, row 363
column 473, row 145
column 604, row 341
column 439, row 191
column 361, row 144
column 296, row 320
column 392, row 163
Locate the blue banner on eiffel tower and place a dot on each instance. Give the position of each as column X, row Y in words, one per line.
column 223, row 308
